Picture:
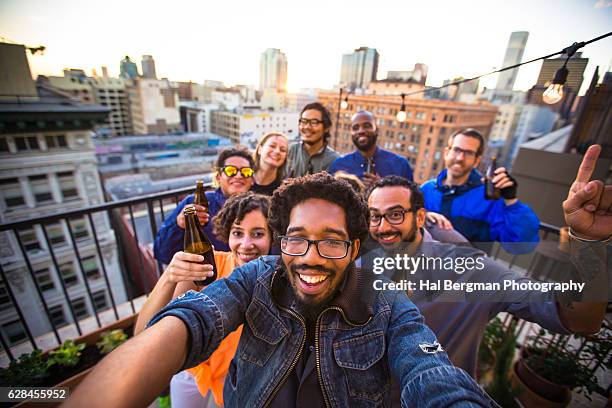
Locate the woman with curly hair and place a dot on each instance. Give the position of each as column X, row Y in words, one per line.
column 242, row 223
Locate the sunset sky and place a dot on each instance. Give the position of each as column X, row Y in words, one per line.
column 198, row 40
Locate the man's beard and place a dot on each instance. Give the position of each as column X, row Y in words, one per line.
column 405, row 240
column 311, row 310
column 364, row 148
column 313, row 142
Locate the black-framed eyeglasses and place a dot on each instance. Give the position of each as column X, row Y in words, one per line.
column 327, row 248
column 231, row 171
column 311, row 122
column 393, row 217
column 468, row 154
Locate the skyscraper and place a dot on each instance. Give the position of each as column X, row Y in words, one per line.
column 359, row 68
column 128, row 69
column 148, row 67
column 273, row 70
column 514, row 54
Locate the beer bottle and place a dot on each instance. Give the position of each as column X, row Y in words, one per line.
column 196, row 242
column 371, row 167
column 491, row 192
column 199, row 196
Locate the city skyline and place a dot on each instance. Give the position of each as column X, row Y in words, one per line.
column 225, row 42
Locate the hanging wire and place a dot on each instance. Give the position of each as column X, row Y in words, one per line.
column 571, row 50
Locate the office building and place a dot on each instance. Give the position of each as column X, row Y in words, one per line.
column 424, row 134
column 513, row 56
column 128, row 68
column 48, row 166
column 154, row 106
column 273, row 70
column 359, row 68
column 148, row 67
column 418, row 74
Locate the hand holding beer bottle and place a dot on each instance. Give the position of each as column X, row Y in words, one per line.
column 201, row 205
column 370, row 175
column 196, row 242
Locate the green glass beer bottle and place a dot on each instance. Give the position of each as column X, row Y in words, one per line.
column 196, row 242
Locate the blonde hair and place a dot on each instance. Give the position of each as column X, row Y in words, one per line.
column 281, row 171
column 353, row 180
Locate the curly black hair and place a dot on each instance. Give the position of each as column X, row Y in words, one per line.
column 234, row 151
column 323, row 186
column 234, row 211
column 416, row 196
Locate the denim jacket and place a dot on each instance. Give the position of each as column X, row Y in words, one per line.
column 359, row 343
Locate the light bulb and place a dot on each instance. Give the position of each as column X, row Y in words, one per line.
column 401, row 116
column 344, row 104
column 553, row 94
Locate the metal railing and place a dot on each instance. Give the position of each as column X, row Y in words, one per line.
column 118, row 213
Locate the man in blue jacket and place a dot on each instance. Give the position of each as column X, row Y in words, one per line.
column 370, row 162
column 235, row 168
column 315, row 331
column 458, row 194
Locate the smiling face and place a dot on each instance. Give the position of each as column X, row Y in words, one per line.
column 250, row 238
column 363, row 131
column 312, row 134
column 387, row 200
column 274, row 151
column 237, row 184
column 315, row 279
column 460, row 156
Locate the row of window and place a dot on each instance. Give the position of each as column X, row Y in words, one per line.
column 15, row 332
column 45, row 281
column 40, row 186
column 34, row 142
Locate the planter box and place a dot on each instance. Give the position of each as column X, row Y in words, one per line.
column 533, row 391
column 90, row 339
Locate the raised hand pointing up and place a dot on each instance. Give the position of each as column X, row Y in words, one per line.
column 587, row 209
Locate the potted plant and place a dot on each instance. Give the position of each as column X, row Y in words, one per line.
column 549, row 369
column 496, row 354
column 68, row 364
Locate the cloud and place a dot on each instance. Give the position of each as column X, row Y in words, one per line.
column 603, row 4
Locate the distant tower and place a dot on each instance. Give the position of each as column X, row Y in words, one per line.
column 273, row 70
column 514, row 54
column 128, row 69
column 148, row 67
column 359, row 68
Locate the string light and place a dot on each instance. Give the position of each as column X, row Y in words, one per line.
column 401, row 115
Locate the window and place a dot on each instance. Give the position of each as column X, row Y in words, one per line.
column 56, row 313
column 29, row 239
column 420, row 115
column 41, row 189
column 25, row 143
column 3, row 145
column 67, row 185
column 80, row 308
column 43, row 279
column 79, row 228
column 90, row 266
column 99, row 300
column 68, row 274
column 56, row 141
column 5, row 299
column 14, row 331
column 11, row 190
column 56, row 234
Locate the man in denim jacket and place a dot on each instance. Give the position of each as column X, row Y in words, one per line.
column 315, row 332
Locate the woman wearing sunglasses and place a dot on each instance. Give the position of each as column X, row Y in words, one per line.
column 270, row 162
column 234, row 175
column 242, row 223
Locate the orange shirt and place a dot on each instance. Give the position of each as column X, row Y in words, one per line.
column 210, row 375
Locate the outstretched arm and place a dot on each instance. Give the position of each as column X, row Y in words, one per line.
column 588, row 214
column 182, row 271
column 135, row 373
